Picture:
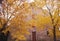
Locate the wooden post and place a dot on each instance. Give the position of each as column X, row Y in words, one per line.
column 34, row 36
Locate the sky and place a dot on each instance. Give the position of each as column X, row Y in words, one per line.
column 29, row 1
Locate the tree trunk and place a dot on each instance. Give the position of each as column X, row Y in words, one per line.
column 4, row 37
column 54, row 33
column 3, row 27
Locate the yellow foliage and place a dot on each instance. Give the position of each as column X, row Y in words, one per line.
column 5, row 31
column 58, row 21
column 32, row 22
column 43, row 20
column 40, row 3
column 25, row 5
column 33, row 4
column 2, row 21
column 10, row 1
column 19, row 26
column 57, row 32
column 21, row 38
column 50, row 32
column 55, row 16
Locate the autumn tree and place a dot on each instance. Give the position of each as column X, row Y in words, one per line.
column 8, row 10
column 9, row 15
column 54, row 18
